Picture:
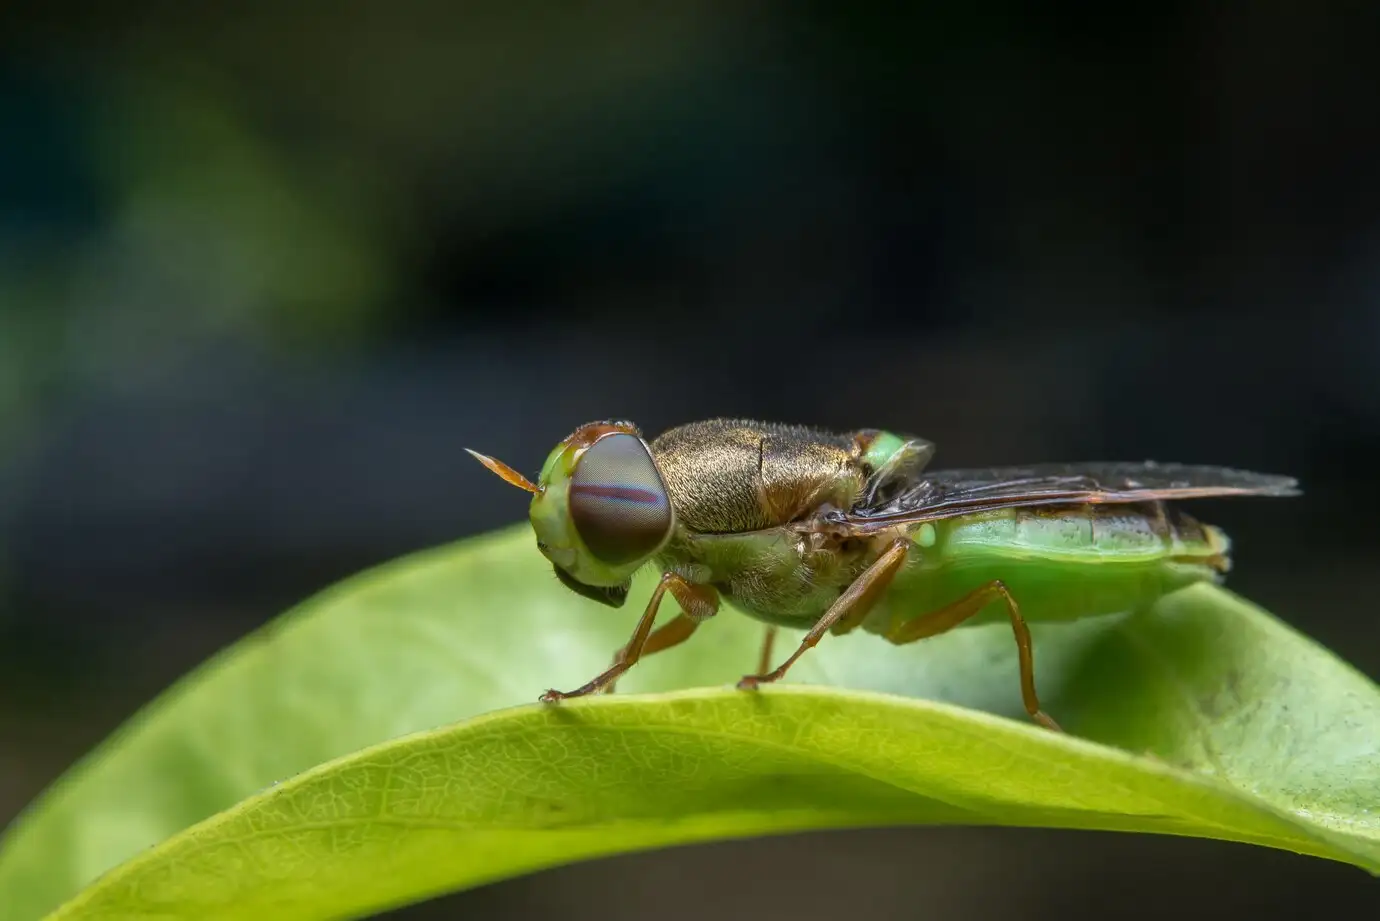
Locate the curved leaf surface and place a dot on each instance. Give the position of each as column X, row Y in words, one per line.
column 1254, row 734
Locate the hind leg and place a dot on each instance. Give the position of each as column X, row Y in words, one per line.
column 950, row 616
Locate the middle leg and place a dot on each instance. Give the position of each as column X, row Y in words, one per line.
column 852, row 606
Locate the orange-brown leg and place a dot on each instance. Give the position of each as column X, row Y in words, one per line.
column 672, row 633
column 853, row 605
column 768, row 641
column 697, row 603
column 950, row 616
column 850, row 621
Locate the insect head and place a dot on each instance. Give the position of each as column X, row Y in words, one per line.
column 600, row 508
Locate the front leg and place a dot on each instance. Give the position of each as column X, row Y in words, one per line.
column 697, row 603
column 671, row 633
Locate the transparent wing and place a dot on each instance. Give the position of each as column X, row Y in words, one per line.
column 948, row 493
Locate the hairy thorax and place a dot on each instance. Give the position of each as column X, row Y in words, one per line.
column 727, row 476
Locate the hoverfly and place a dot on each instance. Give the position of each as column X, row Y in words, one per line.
column 831, row 532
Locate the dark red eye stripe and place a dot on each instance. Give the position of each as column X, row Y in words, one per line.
column 618, row 502
column 626, row 493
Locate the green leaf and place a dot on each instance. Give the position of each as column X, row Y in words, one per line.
column 1257, row 734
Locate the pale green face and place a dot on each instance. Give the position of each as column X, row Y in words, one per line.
column 600, row 509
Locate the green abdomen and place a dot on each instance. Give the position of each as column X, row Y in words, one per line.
column 1060, row 563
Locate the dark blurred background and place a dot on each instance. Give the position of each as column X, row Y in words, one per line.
column 264, row 272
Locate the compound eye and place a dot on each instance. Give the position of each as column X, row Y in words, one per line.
column 617, row 500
